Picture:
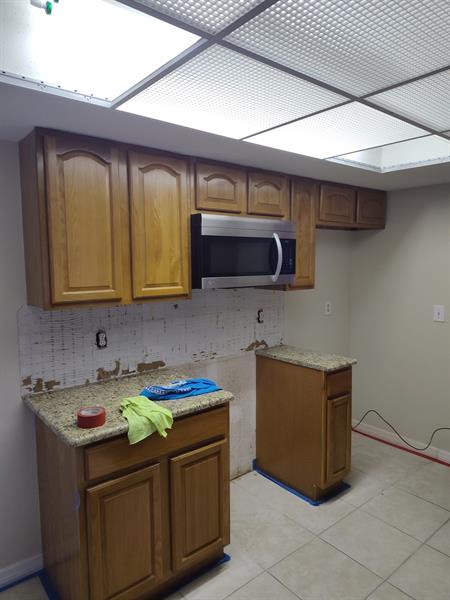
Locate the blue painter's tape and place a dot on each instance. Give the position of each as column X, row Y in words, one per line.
column 339, row 489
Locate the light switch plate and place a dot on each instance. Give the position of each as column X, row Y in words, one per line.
column 439, row 313
column 327, row 308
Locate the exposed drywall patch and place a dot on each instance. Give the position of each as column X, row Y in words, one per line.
column 255, row 345
column 59, row 346
column 49, row 385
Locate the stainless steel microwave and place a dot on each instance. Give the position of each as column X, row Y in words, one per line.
column 232, row 251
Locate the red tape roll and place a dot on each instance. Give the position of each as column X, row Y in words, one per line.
column 91, row 416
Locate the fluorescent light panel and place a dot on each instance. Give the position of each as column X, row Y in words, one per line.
column 423, row 151
column 223, row 92
column 95, row 47
column 426, row 101
column 209, row 15
column 359, row 46
column 338, row 131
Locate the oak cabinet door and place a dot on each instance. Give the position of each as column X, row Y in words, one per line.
column 336, row 206
column 160, row 199
column 339, row 432
column 268, row 195
column 199, row 504
column 86, row 224
column 220, row 188
column 124, row 526
column 371, row 208
column 304, row 201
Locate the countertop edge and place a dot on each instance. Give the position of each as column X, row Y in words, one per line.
column 343, row 361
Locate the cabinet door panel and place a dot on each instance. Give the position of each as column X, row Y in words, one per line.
column 371, row 208
column 339, row 431
column 336, row 206
column 304, row 201
column 160, row 197
column 124, row 535
column 268, row 195
column 220, row 188
column 200, row 503
column 85, row 202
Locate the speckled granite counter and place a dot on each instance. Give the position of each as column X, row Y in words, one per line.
column 58, row 409
column 308, row 358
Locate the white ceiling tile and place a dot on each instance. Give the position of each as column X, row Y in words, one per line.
column 426, row 101
column 95, row 47
column 223, row 92
column 207, row 15
column 359, row 46
column 338, row 131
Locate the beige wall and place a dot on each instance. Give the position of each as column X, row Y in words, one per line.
column 305, row 323
column 403, row 356
column 19, row 508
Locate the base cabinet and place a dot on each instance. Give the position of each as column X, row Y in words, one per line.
column 147, row 517
column 303, row 425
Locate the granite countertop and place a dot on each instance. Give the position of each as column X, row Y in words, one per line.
column 308, row 358
column 58, row 409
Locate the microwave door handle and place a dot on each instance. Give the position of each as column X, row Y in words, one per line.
column 280, row 258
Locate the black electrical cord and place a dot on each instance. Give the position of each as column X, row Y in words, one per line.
column 396, row 432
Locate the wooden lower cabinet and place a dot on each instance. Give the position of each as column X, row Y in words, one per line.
column 303, row 425
column 134, row 524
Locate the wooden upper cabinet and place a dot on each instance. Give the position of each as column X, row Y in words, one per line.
column 371, row 208
column 87, row 221
column 220, row 188
column 124, row 526
column 160, row 202
column 268, row 195
column 199, row 503
column 336, row 206
column 304, row 199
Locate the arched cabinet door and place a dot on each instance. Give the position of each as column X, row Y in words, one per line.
column 159, row 200
column 220, row 188
column 87, row 223
column 268, row 195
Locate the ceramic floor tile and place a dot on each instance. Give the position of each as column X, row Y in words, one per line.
column 264, row 534
column 425, row 576
column 375, row 544
column 386, row 591
column 441, row 539
column 363, row 487
column 263, row 587
column 320, row 572
column 409, row 513
column 28, row 590
column 431, row 482
column 313, row 518
column 220, row 582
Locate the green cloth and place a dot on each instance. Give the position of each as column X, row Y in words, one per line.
column 144, row 417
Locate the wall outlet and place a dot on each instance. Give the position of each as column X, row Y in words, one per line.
column 439, row 313
column 101, row 341
column 327, row 308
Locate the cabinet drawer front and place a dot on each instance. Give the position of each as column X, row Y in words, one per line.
column 199, row 503
column 339, row 436
column 117, row 455
column 339, row 383
column 337, row 205
column 124, row 524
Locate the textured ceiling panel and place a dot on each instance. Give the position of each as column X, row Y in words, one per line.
column 426, row 101
column 338, row 131
column 359, row 46
column 207, row 15
column 223, row 92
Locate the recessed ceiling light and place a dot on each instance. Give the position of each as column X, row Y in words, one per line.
column 223, row 92
column 95, row 47
column 338, row 131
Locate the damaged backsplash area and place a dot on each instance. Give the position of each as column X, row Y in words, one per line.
column 58, row 348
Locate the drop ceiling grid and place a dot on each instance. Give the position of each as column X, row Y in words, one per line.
column 229, row 94
column 338, row 131
column 426, row 101
column 359, row 47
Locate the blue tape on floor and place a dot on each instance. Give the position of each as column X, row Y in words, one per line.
column 343, row 486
